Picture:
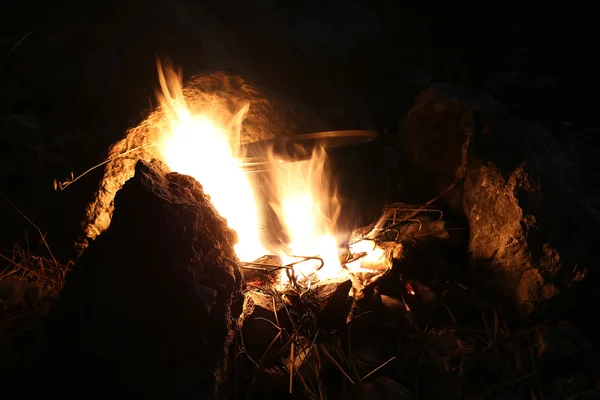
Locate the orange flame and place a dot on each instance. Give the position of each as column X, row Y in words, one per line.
column 206, row 146
column 307, row 207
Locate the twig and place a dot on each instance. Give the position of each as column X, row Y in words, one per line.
column 439, row 373
column 418, row 373
column 305, row 385
column 290, row 340
column 511, row 382
column 287, row 312
column 438, row 232
column 276, row 317
column 17, row 44
column 63, row 185
column 42, row 236
column 244, row 350
column 359, row 381
column 442, row 193
column 378, row 368
column 307, row 353
column 269, row 321
column 13, row 262
column 270, row 345
column 261, row 365
column 292, row 360
column 324, row 350
column 318, row 374
column 450, row 313
column 360, row 315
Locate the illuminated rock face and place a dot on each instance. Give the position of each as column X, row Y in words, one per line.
column 530, row 222
column 150, row 307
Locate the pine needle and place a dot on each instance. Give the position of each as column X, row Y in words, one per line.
column 378, row 368
column 292, row 360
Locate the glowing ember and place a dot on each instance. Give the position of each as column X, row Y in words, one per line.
column 206, row 147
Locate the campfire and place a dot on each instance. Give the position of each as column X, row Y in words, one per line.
column 220, row 264
column 301, row 194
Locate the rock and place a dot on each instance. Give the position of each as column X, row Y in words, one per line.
column 392, row 304
column 257, row 332
column 332, row 301
column 12, row 294
column 529, row 219
column 562, row 341
column 34, row 295
column 368, row 356
column 269, row 115
column 422, row 300
column 261, row 305
column 150, row 307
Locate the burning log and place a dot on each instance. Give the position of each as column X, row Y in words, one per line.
column 529, row 219
column 150, row 306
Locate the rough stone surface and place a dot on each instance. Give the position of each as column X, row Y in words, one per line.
column 149, row 309
column 258, row 333
column 527, row 212
column 269, row 115
column 332, row 301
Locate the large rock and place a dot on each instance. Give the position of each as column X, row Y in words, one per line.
column 529, row 219
column 150, row 307
column 269, row 115
column 258, row 323
column 332, row 302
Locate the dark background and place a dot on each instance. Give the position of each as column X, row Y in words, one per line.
column 86, row 72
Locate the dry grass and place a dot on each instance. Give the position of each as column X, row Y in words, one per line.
column 29, row 282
